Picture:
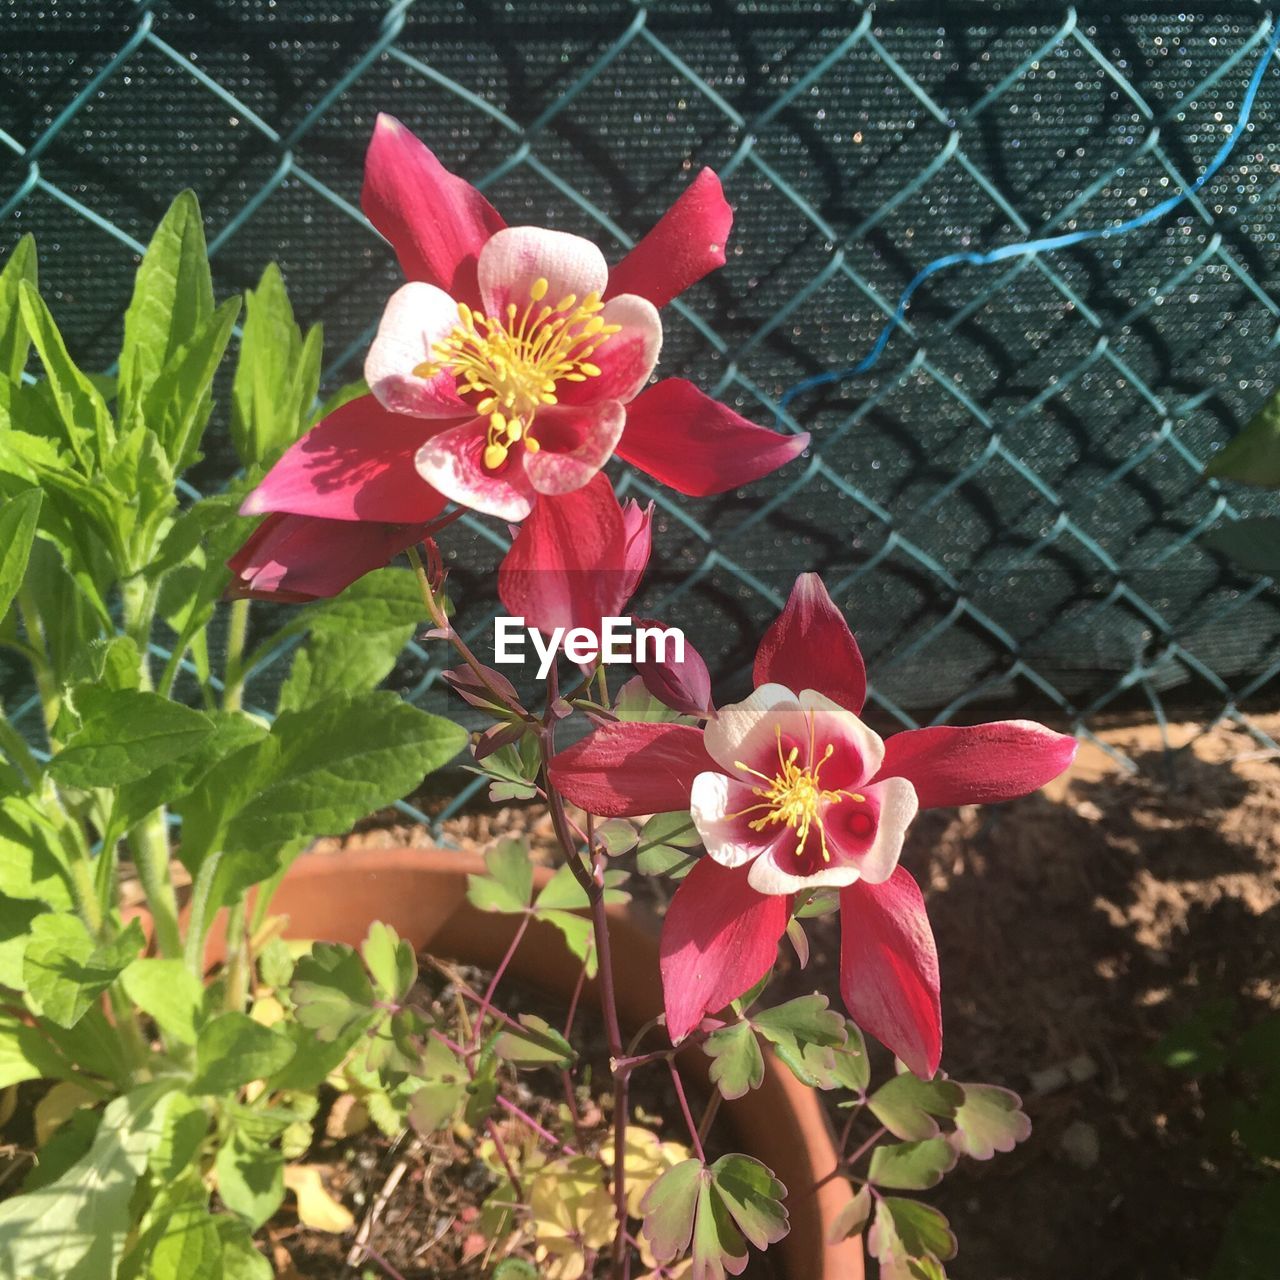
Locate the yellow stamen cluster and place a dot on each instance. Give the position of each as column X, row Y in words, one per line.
column 514, row 362
column 793, row 795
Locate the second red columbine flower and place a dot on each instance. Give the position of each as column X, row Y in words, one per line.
column 791, row 791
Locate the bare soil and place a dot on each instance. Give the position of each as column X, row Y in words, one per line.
column 1076, row 928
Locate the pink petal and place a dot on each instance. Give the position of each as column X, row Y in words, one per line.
column 436, row 222
column 627, row 769
column 625, row 359
column 977, row 764
column 697, row 445
column 297, row 558
column 683, row 245
column 637, row 524
column 889, row 969
column 810, row 646
column 684, row 686
column 453, row 463
column 567, row 566
column 874, row 851
column 723, row 809
column 574, row 443
column 518, row 256
column 358, row 464
column 719, row 938
column 416, row 318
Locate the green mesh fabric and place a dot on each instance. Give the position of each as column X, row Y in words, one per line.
column 1007, row 507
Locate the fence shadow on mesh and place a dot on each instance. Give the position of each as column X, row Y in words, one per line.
column 1007, row 507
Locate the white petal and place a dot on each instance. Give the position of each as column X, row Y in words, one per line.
column 713, row 797
column 831, row 718
column 417, row 316
column 512, row 259
column 898, row 806
column 766, row 876
column 747, row 728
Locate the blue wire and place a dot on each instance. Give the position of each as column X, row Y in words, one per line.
column 1030, row 248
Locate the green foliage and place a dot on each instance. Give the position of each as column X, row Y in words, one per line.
column 232, row 1049
column 910, row 1107
column 17, row 532
column 65, row 971
column 910, row 1240
column 1254, row 455
column 911, row 1166
column 664, row 846
column 512, row 771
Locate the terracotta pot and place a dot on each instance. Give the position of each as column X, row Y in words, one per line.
column 421, row 893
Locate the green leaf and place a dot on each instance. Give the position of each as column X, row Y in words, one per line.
column 82, row 412
column 512, row 770
column 391, row 962
column 666, row 841
column 852, row 1069
column 1195, row 1044
column 188, row 1247
column 277, row 374
column 514, row 1269
column 74, row 1228
column 435, row 1104
column 910, row 1107
column 65, row 972
column 14, row 342
column 911, row 1166
column 669, row 1207
column 635, row 703
column 185, row 1126
column 737, row 1063
column 507, row 885
column 332, row 992
column 250, row 1179
column 563, row 902
column 32, row 862
column 1254, row 455
column 910, row 1240
column 124, row 735
column 240, row 1259
column 232, row 1050
column 16, row 916
column 1252, row 545
column 853, row 1218
column 804, row 1032
column 1251, row 1241
column 18, row 517
column 172, row 301
column 537, row 1044
column 990, row 1119
column 25, row 1054
column 753, row 1197
column 167, row 991
column 616, row 836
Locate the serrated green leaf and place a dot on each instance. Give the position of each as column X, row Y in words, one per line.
column 391, row 961
column 737, row 1064
column 507, row 885
column 911, row 1166
column 910, row 1107
column 168, row 992
column 1254, row 455
column 1252, row 544
column 18, row 518
column 332, row 992
column 232, row 1050
column 65, row 971
column 990, row 1119
column 922, row 1229
column 14, row 343
column 537, row 1044
column 804, row 1032
column 172, row 301
column 512, row 770
column 124, row 735
column 250, row 1179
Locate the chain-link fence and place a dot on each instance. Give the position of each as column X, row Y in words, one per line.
column 1007, row 507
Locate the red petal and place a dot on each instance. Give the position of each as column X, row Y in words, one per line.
column 889, row 969
column 296, row 558
column 682, row 246
column 568, row 566
column 977, row 764
column 697, row 445
column 627, row 769
column 720, row 937
column 810, row 646
column 358, row 464
column 436, row 222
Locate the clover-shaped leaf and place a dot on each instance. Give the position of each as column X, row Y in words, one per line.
column 561, row 902
column 852, row 1068
column 910, row 1240
column 512, row 770
column 332, row 992
column 853, row 1218
column 737, row 1064
column 910, row 1107
column 989, row 1119
column 804, row 1032
column 536, row 1044
column 911, row 1166
column 715, row 1210
column 507, row 885
column 391, row 961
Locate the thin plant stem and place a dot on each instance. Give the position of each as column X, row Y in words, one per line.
column 486, row 1000
column 492, row 1130
column 149, row 843
column 545, row 1134
column 866, row 1146
column 684, row 1107
column 709, row 1116
column 371, row 1252
column 233, row 674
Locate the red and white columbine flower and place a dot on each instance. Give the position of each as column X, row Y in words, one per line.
column 514, row 363
column 791, row 791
